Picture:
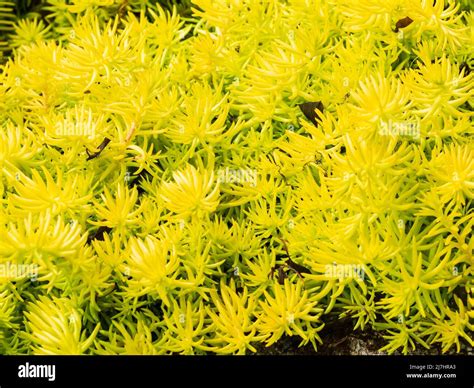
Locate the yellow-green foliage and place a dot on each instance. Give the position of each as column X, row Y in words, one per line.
column 163, row 192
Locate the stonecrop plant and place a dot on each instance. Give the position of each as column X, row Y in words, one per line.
column 214, row 175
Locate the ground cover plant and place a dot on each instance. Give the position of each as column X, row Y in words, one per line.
column 216, row 175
